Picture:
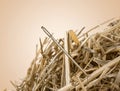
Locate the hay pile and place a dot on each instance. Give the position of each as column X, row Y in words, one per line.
column 78, row 62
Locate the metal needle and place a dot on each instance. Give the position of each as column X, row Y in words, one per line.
column 50, row 35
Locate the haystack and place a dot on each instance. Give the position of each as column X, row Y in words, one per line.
column 77, row 62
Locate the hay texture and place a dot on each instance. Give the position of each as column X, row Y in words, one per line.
column 77, row 62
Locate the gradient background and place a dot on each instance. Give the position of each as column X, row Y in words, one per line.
column 20, row 22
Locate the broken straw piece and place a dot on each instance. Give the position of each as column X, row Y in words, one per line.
column 73, row 36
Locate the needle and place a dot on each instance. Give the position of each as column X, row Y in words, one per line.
column 50, row 35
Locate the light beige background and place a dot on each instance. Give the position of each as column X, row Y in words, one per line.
column 20, row 22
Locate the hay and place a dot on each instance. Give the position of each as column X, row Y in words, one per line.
column 77, row 62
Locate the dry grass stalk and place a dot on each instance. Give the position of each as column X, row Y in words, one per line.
column 67, row 62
